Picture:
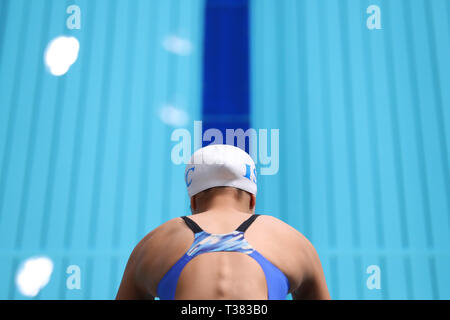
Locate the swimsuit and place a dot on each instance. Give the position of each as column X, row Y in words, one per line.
column 277, row 282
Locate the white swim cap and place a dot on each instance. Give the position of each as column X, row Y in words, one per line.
column 220, row 165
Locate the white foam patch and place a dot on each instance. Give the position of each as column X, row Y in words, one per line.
column 33, row 275
column 173, row 116
column 177, row 45
column 60, row 54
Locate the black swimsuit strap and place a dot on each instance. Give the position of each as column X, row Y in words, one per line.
column 196, row 228
column 192, row 225
column 244, row 226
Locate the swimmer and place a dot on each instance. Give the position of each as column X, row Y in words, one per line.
column 223, row 250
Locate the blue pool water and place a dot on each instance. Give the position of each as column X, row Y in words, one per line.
column 364, row 136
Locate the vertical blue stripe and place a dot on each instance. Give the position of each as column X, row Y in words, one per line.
column 3, row 23
column 78, row 139
column 125, row 129
column 350, row 127
column 372, row 119
column 12, row 112
column 417, row 114
column 31, row 146
column 103, row 119
column 225, row 66
column 324, row 69
column 394, row 115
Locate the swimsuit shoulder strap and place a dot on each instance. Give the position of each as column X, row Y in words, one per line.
column 196, row 228
column 192, row 225
column 244, row 226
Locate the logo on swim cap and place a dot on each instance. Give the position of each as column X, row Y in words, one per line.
column 186, row 176
column 248, row 171
column 220, row 165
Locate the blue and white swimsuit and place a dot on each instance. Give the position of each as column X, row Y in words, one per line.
column 277, row 282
